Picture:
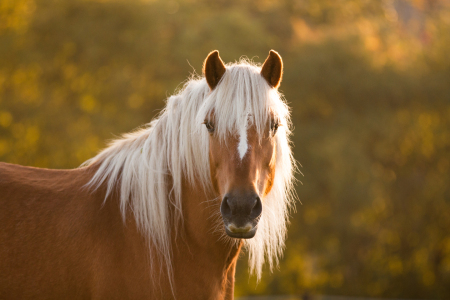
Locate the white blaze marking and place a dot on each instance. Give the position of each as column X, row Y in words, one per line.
column 243, row 145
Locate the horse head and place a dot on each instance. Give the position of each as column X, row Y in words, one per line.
column 242, row 159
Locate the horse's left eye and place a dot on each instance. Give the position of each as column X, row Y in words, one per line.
column 209, row 126
column 274, row 126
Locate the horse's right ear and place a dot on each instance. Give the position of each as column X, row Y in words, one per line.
column 213, row 68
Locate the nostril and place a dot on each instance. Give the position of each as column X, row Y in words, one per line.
column 225, row 208
column 257, row 208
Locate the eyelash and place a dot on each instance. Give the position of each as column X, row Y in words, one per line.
column 209, row 126
column 274, row 126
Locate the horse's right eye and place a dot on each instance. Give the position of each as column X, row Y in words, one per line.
column 209, row 126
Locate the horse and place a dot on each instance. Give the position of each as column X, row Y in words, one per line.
column 162, row 212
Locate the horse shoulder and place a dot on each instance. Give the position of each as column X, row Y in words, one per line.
column 60, row 239
column 46, row 238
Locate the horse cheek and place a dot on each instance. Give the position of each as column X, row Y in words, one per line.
column 213, row 173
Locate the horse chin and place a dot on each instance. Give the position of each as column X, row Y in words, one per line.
column 241, row 235
column 244, row 232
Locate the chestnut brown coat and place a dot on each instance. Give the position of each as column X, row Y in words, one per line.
column 62, row 237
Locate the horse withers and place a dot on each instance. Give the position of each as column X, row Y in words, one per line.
column 164, row 211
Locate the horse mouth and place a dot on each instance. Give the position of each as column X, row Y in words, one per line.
column 245, row 232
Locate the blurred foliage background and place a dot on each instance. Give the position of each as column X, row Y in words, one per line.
column 368, row 83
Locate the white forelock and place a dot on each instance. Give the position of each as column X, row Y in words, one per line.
column 147, row 167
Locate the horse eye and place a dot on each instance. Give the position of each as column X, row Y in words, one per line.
column 209, row 126
column 274, row 126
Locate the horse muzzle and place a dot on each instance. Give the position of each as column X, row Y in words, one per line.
column 241, row 212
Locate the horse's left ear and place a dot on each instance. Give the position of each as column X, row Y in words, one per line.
column 213, row 68
column 272, row 69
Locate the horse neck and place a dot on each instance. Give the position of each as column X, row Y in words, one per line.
column 199, row 245
column 201, row 226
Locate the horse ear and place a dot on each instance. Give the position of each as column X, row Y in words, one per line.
column 272, row 69
column 213, row 68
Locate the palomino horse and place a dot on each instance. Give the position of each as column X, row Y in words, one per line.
column 163, row 212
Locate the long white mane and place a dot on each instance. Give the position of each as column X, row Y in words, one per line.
column 147, row 167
